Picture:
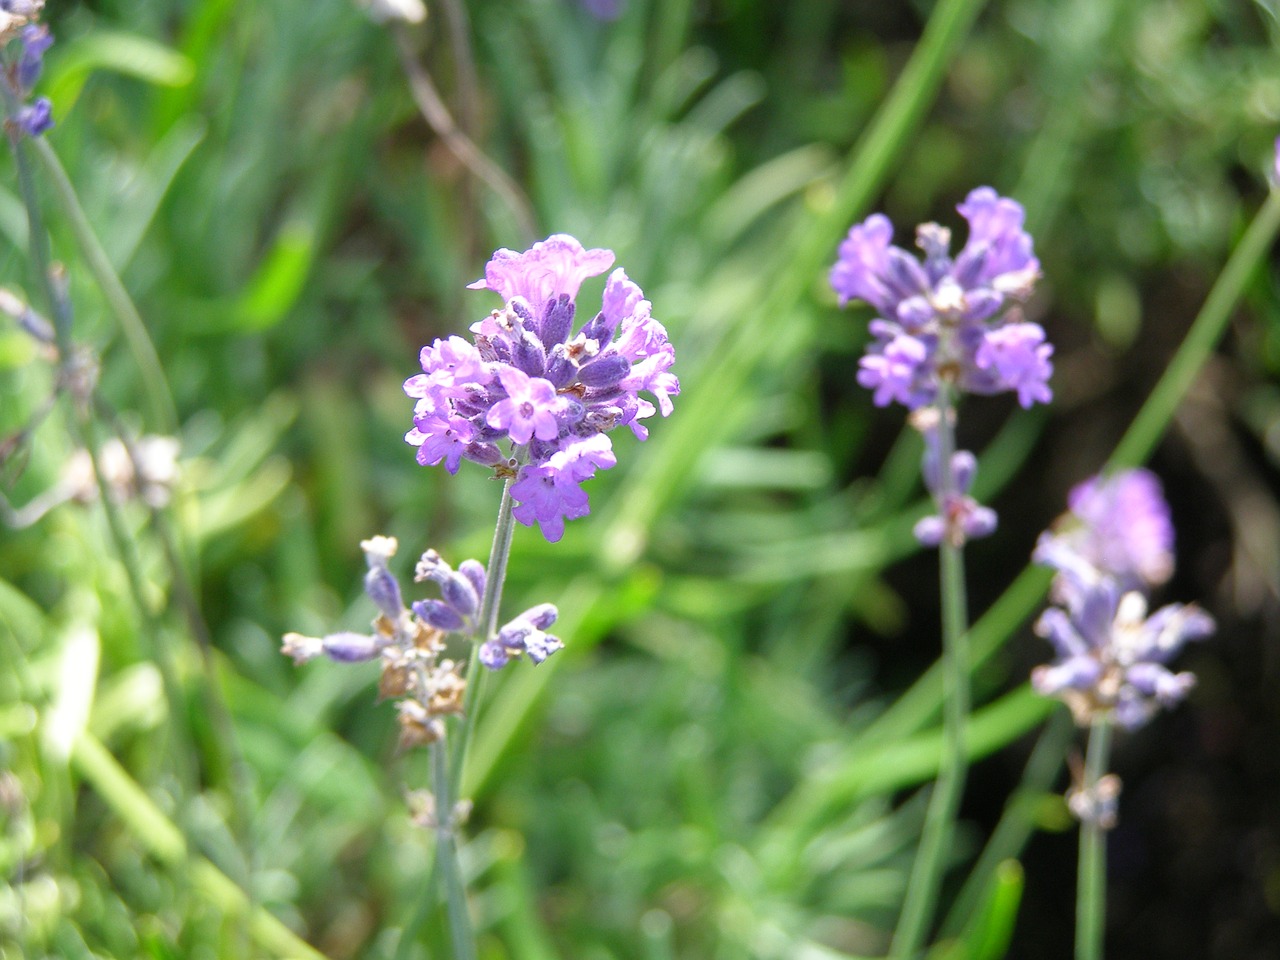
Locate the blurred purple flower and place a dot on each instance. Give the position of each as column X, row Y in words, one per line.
column 960, row 518
column 603, row 9
column 1111, row 656
column 1117, row 527
column 530, row 385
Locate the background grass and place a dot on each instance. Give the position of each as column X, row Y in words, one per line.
column 723, row 763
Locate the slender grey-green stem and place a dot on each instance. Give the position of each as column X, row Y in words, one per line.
column 150, row 371
column 921, row 901
column 448, row 868
column 449, row 756
column 1091, row 876
column 495, row 575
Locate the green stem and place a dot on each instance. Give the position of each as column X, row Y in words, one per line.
column 1016, row 822
column 450, row 870
column 495, row 575
column 448, row 757
column 135, row 330
column 1152, row 420
column 935, row 842
column 1091, row 879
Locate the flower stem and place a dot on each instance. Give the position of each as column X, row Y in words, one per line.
column 935, row 842
column 449, row 870
column 448, row 757
column 1091, row 878
column 490, row 603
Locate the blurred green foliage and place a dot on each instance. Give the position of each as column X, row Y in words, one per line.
column 715, row 768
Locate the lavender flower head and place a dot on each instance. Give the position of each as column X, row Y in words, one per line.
column 1119, row 527
column 1115, row 544
column 1113, row 658
column 530, row 395
column 944, row 319
column 409, row 642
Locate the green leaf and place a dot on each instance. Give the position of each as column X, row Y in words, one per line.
column 123, row 53
column 279, row 281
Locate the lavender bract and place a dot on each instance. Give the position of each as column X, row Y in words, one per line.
column 529, row 384
column 945, row 320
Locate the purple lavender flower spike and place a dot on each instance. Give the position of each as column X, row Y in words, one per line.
column 1112, row 655
column 530, row 385
column 524, row 636
column 1118, row 526
column 948, row 321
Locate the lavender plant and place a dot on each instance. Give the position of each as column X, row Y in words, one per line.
column 534, row 401
column 947, row 326
column 1108, row 551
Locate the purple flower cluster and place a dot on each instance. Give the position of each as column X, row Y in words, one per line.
column 529, row 382
column 1112, row 657
column 945, row 320
column 409, row 640
column 959, row 518
column 1119, row 526
column 36, row 117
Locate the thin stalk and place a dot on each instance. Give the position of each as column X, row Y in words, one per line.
column 495, row 575
column 448, row 757
column 1207, row 328
column 450, row 870
column 433, row 110
column 1091, row 878
column 1016, row 822
column 935, row 842
column 159, row 400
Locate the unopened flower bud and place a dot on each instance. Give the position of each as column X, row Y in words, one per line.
column 351, row 647
column 440, row 615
